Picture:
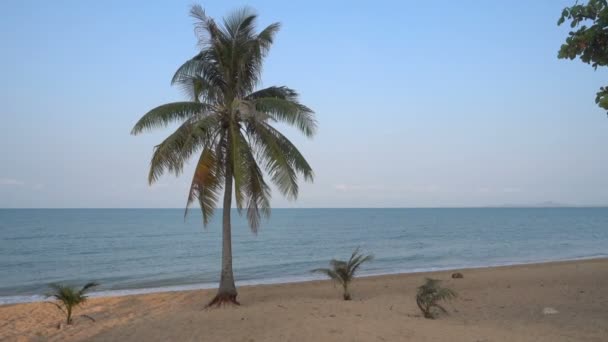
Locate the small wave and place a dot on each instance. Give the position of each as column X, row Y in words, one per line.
column 21, row 299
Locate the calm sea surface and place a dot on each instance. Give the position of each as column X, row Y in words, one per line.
column 139, row 250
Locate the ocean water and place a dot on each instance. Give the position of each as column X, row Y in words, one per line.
column 147, row 250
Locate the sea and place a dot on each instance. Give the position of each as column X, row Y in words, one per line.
column 130, row 251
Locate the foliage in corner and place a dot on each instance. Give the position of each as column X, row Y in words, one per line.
column 343, row 272
column 429, row 294
column 590, row 43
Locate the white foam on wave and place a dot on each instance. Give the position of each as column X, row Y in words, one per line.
column 5, row 300
column 477, row 266
column 21, row 299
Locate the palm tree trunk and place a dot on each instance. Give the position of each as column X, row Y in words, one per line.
column 346, row 294
column 424, row 308
column 227, row 278
column 226, row 293
column 69, row 314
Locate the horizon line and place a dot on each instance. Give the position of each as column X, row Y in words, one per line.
column 531, row 206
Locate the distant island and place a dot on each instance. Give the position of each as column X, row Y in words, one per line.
column 546, row 204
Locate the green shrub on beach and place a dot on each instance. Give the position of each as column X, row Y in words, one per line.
column 429, row 294
column 69, row 297
column 343, row 272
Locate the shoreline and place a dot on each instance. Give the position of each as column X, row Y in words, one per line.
column 37, row 298
column 503, row 303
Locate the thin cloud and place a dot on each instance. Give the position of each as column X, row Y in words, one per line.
column 353, row 187
column 430, row 188
column 506, row 190
column 10, row 182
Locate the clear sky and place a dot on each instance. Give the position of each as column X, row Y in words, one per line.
column 420, row 103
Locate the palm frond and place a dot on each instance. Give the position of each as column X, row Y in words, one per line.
column 266, row 36
column 332, row 274
column 162, row 116
column 57, row 288
column 282, row 92
column 175, row 150
column 435, row 305
column 278, row 164
column 283, row 160
column 234, row 160
column 58, row 307
column 336, row 264
column 240, row 22
column 359, row 260
column 203, row 71
column 88, row 286
column 206, row 184
column 445, row 294
column 205, row 28
column 354, row 255
column 290, row 112
column 251, row 185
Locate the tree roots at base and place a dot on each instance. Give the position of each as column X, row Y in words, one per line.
column 222, row 300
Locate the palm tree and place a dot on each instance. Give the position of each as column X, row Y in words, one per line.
column 69, row 297
column 229, row 124
column 343, row 272
column 429, row 294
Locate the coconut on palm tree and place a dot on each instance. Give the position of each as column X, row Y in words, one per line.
column 228, row 123
column 343, row 272
column 69, row 297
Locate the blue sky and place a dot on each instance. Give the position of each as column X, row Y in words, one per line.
column 442, row 103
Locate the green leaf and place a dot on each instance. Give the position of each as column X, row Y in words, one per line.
column 175, row 150
column 163, row 115
column 228, row 120
column 206, row 184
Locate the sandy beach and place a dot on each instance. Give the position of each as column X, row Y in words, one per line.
column 494, row 304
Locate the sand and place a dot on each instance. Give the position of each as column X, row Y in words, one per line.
column 562, row 301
